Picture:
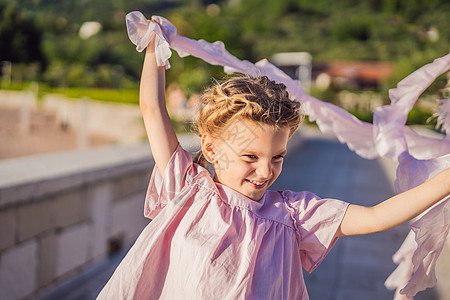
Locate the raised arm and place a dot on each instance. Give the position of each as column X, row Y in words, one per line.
column 152, row 102
column 396, row 210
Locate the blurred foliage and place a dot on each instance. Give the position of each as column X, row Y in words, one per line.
column 41, row 37
column 182, row 126
column 363, row 115
column 420, row 116
column 20, row 36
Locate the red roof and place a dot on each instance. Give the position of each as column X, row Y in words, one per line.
column 360, row 70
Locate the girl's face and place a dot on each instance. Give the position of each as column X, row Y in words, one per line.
column 249, row 156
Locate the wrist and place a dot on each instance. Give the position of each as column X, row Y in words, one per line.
column 446, row 175
column 150, row 50
column 151, row 46
column 444, row 180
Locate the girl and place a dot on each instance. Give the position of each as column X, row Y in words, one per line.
column 229, row 237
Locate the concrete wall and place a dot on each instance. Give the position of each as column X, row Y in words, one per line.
column 62, row 213
column 121, row 122
column 118, row 121
column 18, row 98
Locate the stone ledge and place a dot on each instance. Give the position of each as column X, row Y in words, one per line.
column 32, row 177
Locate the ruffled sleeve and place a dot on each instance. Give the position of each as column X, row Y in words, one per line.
column 179, row 174
column 316, row 222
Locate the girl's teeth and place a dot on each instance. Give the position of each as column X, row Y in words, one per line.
column 256, row 182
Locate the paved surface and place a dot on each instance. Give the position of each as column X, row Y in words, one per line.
column 357, row 267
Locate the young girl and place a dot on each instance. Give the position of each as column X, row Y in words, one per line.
column 228, row 236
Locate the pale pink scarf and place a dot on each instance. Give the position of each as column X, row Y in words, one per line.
column 420, row 158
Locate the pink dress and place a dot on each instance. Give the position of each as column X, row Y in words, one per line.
column 207, row 241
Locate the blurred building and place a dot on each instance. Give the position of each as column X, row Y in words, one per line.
column 354, row 74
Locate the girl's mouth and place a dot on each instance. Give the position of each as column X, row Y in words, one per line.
column 256, row 184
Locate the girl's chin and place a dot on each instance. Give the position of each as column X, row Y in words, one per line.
column 254, row 195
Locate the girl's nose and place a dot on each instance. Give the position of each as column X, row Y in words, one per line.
column 264, row 170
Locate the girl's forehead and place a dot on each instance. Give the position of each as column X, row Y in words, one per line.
column 252, row 136
column 242, row 129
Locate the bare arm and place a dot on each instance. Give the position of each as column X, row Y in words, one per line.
column 152, row 102
column 396, row 210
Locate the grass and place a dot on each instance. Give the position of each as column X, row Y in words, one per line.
column 117, row 96
column 128, row 96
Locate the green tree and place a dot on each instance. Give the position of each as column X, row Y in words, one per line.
column 19, row 36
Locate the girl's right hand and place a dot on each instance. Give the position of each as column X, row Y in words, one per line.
column 151, row 45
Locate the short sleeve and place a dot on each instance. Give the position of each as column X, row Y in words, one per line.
column 316, row 221
column 178, row 174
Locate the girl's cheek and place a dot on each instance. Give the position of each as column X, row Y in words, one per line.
column 278, row 168
column 245, row 165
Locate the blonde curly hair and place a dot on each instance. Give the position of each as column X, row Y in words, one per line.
column 256, row 99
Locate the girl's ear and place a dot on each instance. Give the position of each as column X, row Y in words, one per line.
column 208, row 148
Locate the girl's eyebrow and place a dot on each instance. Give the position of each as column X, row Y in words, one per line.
column 251, row 152
column 284, row 152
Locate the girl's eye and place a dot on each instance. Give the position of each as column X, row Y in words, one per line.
column 278, row 157
column 250, row 157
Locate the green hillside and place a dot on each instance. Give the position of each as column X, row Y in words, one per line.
column 41, row 37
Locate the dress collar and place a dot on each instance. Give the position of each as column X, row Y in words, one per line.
column 235, row 198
